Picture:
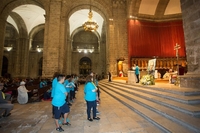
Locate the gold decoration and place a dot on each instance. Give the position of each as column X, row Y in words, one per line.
column 90, row 25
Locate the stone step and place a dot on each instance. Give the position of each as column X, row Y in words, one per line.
column 162, row 93
column 185, row 108
column 155, row 118
column 187, row 121
column 172, row 89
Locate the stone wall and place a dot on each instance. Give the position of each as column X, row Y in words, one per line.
column 191, row 21
column 57, row 51
column 57, row 54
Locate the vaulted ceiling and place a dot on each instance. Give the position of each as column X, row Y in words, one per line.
column 156, row 10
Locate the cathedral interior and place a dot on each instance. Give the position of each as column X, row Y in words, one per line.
column 41, row 37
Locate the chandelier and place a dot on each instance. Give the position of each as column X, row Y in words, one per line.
column 90, row 25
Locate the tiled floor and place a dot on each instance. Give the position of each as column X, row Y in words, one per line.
column 115, row 118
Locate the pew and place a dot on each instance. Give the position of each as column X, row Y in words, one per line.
column 40, row 93
column 37, row 93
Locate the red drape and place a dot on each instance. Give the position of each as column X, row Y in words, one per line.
column 148, row 39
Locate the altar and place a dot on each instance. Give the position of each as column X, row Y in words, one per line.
column 131, row 77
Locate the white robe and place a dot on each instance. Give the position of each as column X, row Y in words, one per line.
column 22, row 97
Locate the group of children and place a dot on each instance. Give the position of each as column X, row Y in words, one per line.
column 71, row 85
column 63, row 95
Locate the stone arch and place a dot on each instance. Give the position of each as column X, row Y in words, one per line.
column 101, row 7
column 98, row 6
column 33, row 33
column 83, row 39
column 80, row 29
column 133, row 7
column 13, row 4
column 85, row 66
column 35, row 30
column 20, row 24
column 7, row 8
column 11, row 36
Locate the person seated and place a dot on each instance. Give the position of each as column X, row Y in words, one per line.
column 22, row 97
column 6, row 93
column 120, row 74
column 5, row 104
column 42, row 83
column 166, row 75
column 47, row 94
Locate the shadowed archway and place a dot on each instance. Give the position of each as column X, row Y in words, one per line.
column 85, row 66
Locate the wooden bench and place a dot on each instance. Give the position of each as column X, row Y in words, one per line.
column 40, row 92
column 37, row 93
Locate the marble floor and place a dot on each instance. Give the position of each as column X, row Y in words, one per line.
column 115, row 118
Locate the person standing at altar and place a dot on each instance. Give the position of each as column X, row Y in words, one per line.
column 109, row 77
column 137, row 72
column 134, row 75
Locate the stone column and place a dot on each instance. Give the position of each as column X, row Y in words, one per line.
column 52, row 39
column 191, row 23
column 2, row 34
column 118, row 38
column 68, row 58
column 23, row 57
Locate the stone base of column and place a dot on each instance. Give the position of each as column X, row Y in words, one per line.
column 190, row 81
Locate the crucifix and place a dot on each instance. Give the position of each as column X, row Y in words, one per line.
column 177, row 47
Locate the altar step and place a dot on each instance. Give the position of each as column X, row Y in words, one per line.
column 182, row 95
column 158, row 106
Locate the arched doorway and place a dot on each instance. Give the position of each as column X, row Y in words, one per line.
column 120, row 70
column 85, row 66
column 4, row 71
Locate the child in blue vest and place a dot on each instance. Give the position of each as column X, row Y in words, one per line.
column 67, row 87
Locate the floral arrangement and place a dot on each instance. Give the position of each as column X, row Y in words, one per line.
column 147, row 80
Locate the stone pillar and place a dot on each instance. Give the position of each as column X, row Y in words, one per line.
column 2, row 34
column 102, row 51
column 118, row 37
column 52, row 39
column 68, row 58
column 191, row 23
column 23, row 57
